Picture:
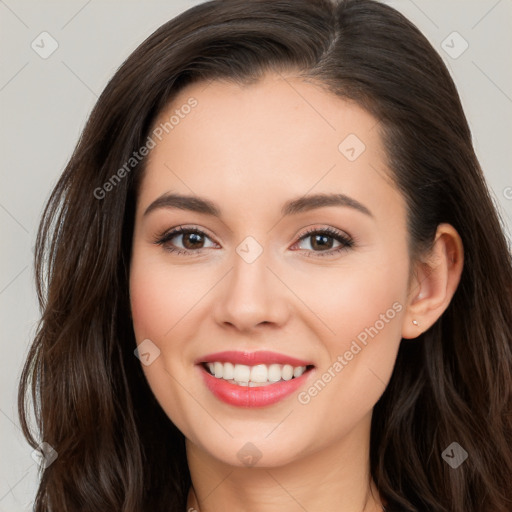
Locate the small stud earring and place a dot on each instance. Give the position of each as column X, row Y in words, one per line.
column 415, row 322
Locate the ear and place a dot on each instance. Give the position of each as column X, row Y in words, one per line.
column 434, row 282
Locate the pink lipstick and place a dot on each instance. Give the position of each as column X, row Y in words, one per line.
column 253, row 379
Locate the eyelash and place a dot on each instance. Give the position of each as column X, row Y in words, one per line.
column 346, row 241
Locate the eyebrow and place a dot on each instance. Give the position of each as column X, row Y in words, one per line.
column 291, row 207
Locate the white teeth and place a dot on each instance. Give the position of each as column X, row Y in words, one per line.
column 254, row 376
column 274, row 372
column 218, row 370
column 287, row 372
column 298, row 371
column 228, row 372
column 259, row 373
column 242, row 373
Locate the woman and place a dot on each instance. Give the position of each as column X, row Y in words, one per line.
column 273, row 207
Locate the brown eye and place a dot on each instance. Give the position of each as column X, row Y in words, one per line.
column 192, row 240
column 322, row 241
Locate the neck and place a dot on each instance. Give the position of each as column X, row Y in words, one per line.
column 334, row 479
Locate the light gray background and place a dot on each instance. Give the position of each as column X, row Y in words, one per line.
column 44, row 104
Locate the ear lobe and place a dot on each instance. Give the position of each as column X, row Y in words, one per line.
column 435, row 281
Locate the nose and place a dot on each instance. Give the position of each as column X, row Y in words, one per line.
column 252, row 295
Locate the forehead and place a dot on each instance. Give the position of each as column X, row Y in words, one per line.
column 278, row 137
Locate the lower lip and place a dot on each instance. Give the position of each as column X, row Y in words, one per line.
column 245, row 396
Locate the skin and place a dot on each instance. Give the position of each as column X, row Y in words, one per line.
column 249, row 149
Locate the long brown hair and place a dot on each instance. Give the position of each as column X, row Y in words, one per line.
column 117, row 450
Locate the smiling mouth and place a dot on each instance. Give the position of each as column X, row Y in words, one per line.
column 254, row 376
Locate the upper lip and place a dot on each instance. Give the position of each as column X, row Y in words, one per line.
column 252, row 358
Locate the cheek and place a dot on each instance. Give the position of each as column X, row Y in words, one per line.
column 352, row 300
column 362, row 310
column 158, row 309
column 149, row 303
column 159, row 296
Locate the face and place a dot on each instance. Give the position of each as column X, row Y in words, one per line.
column 301, row 297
